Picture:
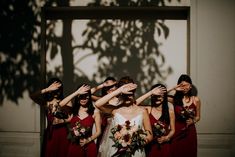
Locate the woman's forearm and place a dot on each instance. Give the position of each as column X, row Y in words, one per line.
column 94, row 89
column 68, row 99
column 105, row 99
column 143, row 97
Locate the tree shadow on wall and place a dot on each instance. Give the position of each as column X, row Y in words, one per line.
column 123, row 48
column 128, row 47
column 19, row 49
column 20, row 55
column 19, row 60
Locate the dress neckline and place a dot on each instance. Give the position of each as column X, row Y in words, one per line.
column 127, row 118
column 83, row 118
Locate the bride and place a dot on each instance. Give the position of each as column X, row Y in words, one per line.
column 125, row 110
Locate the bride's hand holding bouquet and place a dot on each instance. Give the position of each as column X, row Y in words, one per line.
column 127, row 139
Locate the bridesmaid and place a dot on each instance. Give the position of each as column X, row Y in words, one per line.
column 108, row 86
column 187, row 111
column 55, row 143
column 162, row 119
column 85, row 114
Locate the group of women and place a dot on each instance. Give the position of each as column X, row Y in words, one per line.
column 168, row 120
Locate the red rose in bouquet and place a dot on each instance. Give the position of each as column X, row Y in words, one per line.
column 187, row 112
column 159, row 129
column 78, row 132
column 127, row 139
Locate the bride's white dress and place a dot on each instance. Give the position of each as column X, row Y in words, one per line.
column 106, row 149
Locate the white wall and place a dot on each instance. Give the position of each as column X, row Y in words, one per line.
column 212, row 70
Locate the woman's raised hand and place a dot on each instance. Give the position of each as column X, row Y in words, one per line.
column 83, row 90
column 127, row 88
column 158, row 90
column 54, row 86
column 179, row 87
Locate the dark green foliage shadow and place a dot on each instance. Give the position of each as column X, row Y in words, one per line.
column 133, row 53
column 129, row 46
column 19, row 61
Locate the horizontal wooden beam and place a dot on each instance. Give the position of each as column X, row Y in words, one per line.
column 116, row 12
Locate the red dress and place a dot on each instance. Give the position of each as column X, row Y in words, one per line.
column 56, row 139
column 154, row 149
column 90, row 149
column 184, row 143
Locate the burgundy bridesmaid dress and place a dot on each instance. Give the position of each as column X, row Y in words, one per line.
column 184, row 143
column 154, row 149
column 90, row 149
column 56, row 139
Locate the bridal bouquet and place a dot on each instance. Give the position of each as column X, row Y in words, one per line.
column 159, row 129
column 78, row 132
column 187, row 112
column 127, row 139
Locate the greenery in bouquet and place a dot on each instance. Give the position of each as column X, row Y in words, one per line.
column 78, row 132
column 187, row 112
column 127, row 139
column 159, row 129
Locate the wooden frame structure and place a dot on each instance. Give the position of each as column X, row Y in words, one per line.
column 125, row 13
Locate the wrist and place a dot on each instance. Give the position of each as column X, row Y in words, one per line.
column 89, row 139
column 167, row 138
column 119, row 91
column 146, row 141
column 44, row 90
column 101, row 86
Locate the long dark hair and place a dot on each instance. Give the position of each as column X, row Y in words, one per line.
column 165, row 109
column 105, row 89
column 59, row 92
column 124, row 80
column 179, row 94
column 77, row 105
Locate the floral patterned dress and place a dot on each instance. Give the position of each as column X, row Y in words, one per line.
column 90, row 149
column 184, row 143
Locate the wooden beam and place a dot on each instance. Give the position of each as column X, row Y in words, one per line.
column 116, row 12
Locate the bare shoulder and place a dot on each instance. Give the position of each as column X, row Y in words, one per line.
column 197, row 99
column 96, row 112
column 115, row 111
column 140, row 109
column 197, row 102
column 170, row 106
